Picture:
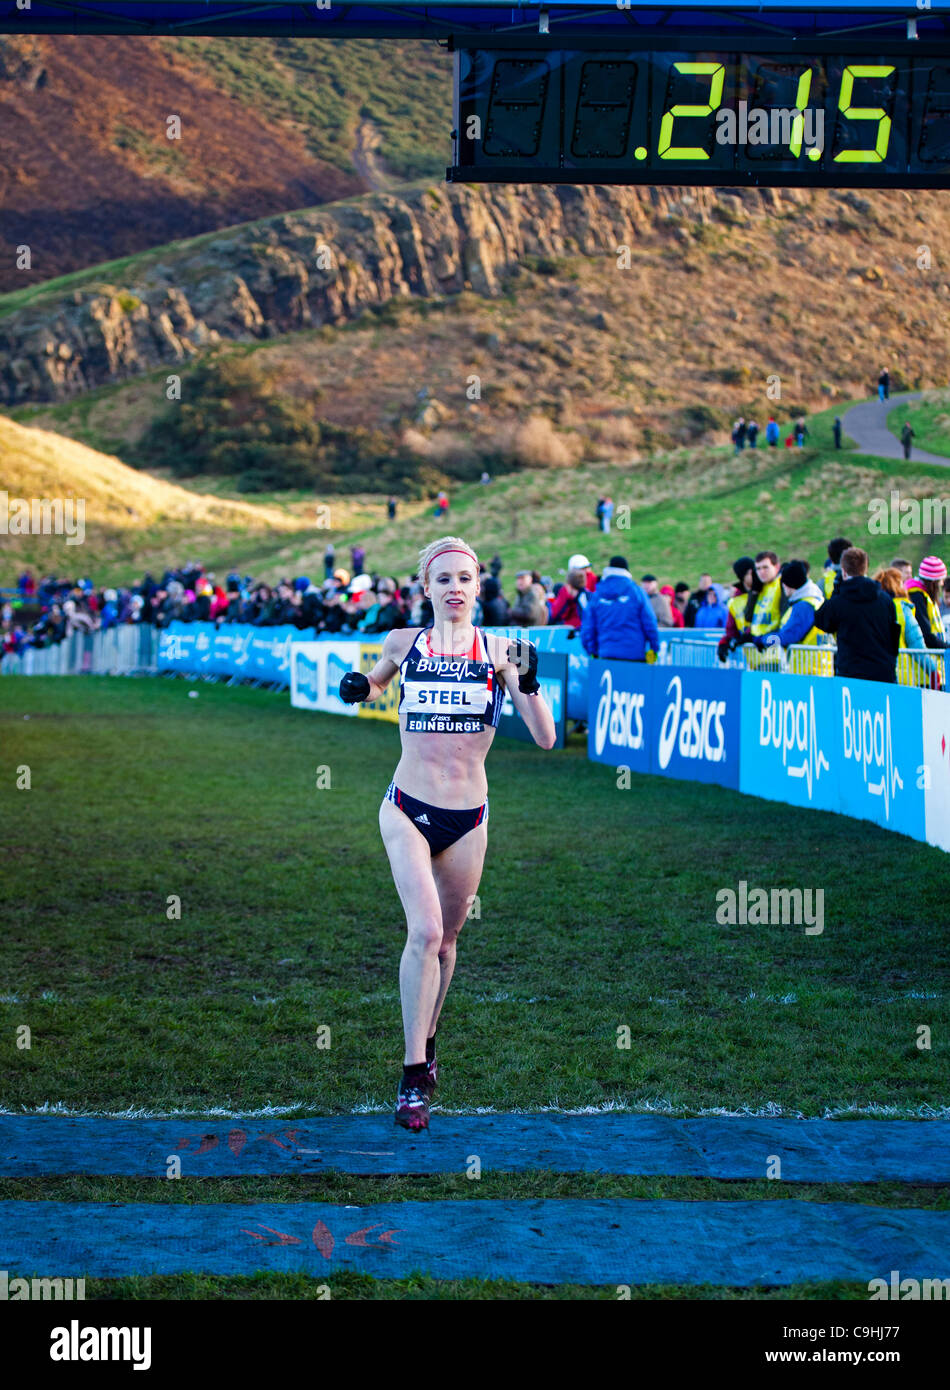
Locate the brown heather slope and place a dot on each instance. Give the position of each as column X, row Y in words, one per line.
column 521, row 287
column 87, row 173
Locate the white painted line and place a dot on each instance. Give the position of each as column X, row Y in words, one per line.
column 769, row 1111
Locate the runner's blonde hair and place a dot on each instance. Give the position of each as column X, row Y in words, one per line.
column 427, row 555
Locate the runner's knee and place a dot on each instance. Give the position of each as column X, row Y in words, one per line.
column 425, row 934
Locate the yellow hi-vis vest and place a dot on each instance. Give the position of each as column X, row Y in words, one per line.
column 899, row 605
column 814, row 634
column 933, row 615
column 828, row 580
column 736, row 607
column 768, row 606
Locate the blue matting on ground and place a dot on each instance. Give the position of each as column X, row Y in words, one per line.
column 545, row 1241
column 648, row 1145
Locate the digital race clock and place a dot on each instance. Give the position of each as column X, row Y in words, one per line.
column 820, row 112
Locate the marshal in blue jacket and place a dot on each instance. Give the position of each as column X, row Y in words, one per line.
column 619, row 620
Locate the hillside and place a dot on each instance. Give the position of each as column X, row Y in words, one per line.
column 88, row 174
column 519, row 288
column 689, row 510
column 129, row 517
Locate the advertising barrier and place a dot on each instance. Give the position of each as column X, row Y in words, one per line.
column 860, row 748
column 234, row 649
column 675, row 723
column 698, row 733
column 559, row 639
column 316, row 669
column 935, row 737
column 850, row 746
column 786, row 743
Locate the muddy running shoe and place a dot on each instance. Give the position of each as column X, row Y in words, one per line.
column 412, row 1106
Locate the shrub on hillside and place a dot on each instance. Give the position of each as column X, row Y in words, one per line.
column 534, row 443
column 696, row 421
column 232, row 421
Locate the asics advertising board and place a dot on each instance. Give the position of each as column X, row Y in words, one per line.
column 697, row 733
column 788, row 742
column 621, row 713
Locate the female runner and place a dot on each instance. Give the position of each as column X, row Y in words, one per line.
column 434, row 817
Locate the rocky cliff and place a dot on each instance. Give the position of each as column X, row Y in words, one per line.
column 323, row 266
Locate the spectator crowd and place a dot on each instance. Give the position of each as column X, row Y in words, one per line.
column 767, row 603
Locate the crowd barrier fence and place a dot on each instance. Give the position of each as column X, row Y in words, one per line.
column 129, row 649
column 860, row 748
column 864, row 749
column 242, row 651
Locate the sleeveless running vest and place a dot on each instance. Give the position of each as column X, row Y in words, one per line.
column 450, row 695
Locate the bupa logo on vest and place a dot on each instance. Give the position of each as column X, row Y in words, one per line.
column 697, row 722
column 621, row 713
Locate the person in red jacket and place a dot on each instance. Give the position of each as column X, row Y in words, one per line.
column 568, row 604
column 676, row 613
column 581, row 562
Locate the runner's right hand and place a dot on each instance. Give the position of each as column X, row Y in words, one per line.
column 354, row 687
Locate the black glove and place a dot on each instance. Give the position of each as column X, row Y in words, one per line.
column 524, row 655
column 354, row 687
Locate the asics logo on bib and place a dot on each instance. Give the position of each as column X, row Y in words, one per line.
column 622, row 712
column 700, row 730
column 790, row 725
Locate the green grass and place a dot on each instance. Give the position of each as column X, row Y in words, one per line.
column 590, row 919
column 690, row 510
column 930, row 421
column 420, row 1287
column 324, row 87
column 597, row 910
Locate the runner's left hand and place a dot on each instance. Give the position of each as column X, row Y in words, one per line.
column 524, row 655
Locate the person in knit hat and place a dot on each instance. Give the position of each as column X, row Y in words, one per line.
column 924, row 594
column 740, row 606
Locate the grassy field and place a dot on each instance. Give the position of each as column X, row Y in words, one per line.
column 598, row 912
column 929, row 419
